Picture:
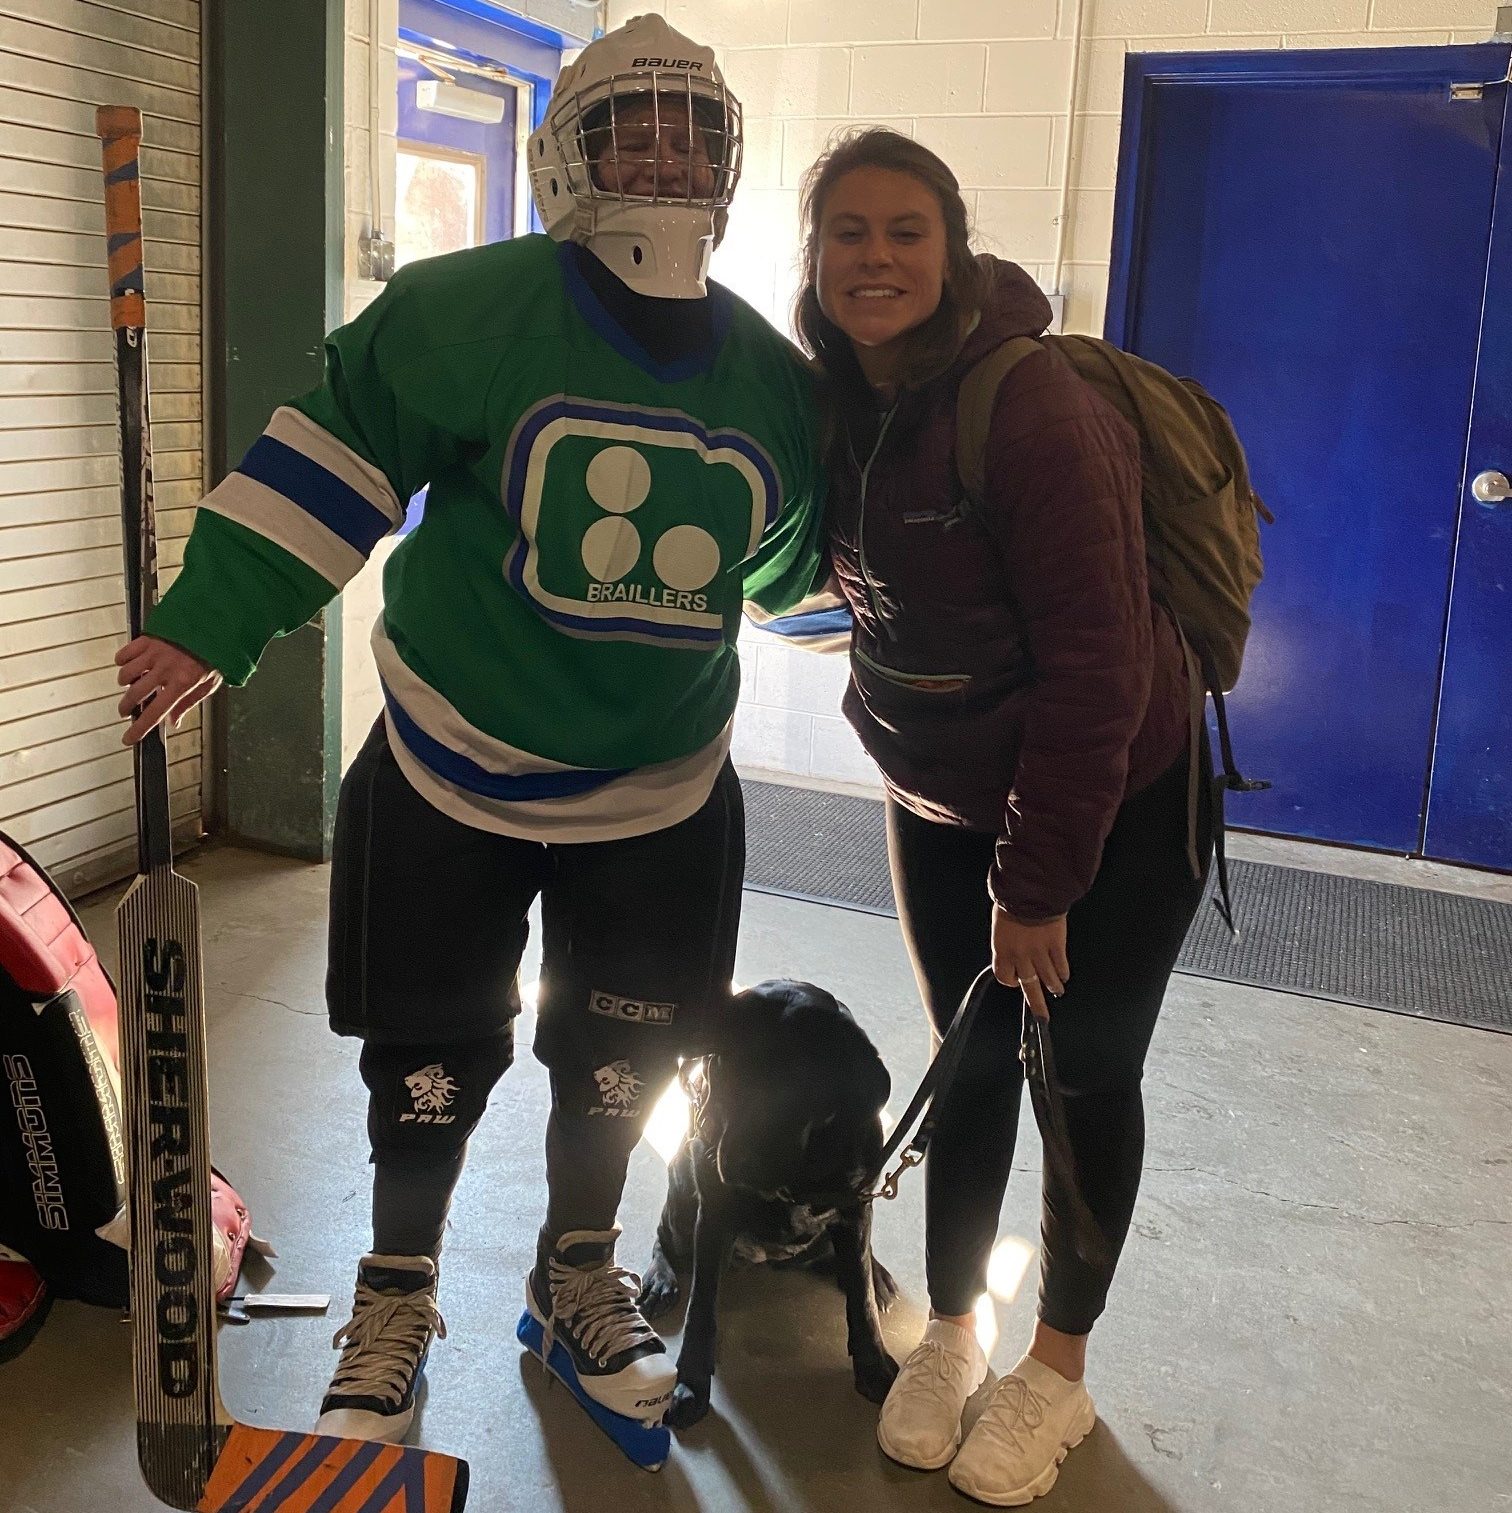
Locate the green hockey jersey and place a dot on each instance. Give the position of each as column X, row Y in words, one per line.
column 557, row 644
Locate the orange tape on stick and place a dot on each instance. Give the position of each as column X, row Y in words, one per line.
column 263, row 1470
column 119, row 128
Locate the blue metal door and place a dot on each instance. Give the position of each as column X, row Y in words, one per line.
column 456, row 177
column 459, row 180
column 1308, row 234
column 1470, row 796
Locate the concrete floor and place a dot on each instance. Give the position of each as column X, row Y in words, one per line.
column 1314, row 1311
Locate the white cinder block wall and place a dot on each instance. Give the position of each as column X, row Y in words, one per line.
column 361, row 601
column 987, row 84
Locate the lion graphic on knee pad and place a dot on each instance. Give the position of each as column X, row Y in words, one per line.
column 431, row 1088
column 619, row 1088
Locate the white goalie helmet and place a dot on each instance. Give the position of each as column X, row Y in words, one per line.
column 639, row 155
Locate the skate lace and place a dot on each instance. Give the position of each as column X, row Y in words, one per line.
column 384, row 1339
column 1013, row 1415
column 598, row 1304
column 932, row 1371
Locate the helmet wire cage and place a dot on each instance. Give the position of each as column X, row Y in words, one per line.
column 694, row 124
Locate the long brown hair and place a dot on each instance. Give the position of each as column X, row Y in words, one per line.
column 931, row 346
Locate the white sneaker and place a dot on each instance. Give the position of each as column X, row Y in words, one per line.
column 920, row 1424
column 1032, row 1420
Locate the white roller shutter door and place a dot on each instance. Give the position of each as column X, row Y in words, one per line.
column 65, row 780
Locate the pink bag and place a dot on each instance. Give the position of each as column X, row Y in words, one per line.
column 62, row 1155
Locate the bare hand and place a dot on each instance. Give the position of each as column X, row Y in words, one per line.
column 164, row 679
column 1031, row 957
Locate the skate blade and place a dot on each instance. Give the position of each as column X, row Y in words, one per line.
column 648, row 1445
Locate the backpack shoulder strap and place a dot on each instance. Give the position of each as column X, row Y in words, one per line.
column 974, row 403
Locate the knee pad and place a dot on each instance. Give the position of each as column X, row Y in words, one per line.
column 425, row 1100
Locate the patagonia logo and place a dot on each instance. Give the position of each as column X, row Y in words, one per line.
column 946, row 518
column 631, row 1010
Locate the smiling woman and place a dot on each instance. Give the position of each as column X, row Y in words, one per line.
column 1025, row 700
column 882, row 257
column 890, row 283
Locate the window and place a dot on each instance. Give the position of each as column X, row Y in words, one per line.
column 440, row 202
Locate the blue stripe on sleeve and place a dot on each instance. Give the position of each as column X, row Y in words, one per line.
column 818, row 622
column 318, row 491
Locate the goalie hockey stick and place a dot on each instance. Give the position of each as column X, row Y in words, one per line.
column 193, row 1455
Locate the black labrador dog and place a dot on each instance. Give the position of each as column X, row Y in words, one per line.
column 786, row 1131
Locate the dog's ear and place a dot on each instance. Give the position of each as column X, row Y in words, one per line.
column 754, row 1018
column 874, row 1079
column 727, row 1023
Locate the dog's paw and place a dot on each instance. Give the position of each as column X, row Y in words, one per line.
column 874, row 1376
column 885, row 1285
column 659, row 1290
column 689, row 1404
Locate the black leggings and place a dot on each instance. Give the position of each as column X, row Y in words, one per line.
column 1122, row 941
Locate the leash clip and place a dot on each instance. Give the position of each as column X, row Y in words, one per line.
column 910, row 1157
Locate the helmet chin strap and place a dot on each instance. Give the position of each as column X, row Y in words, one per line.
column 666, row 261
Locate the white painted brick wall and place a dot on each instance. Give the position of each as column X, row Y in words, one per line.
column 1431, row 14
column 1288, row 15
column 944, row 78
column 1207, row 42
column 723, row 23
column 837, row 757
column 789, row 723
column 361, row 600
column 1388, row 39
column 803, row 141
column 1094, row 151
column 984, row 83
column 1028, row 78
column 989, row 152
column 783, row 82
column 1018, row 224
column 1102, row 81
column 972, row 20
column 1139, row 18
column 850, row 21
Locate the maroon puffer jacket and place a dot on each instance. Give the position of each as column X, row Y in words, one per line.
column 1008, row 672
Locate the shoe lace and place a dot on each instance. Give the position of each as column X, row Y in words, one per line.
column 932, row 1370
column 384, row 1339
column 1015, row 1412
column 598, row 1302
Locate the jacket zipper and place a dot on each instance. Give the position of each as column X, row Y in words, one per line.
column 865, row 472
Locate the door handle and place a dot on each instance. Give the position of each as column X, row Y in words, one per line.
column 1491, row 488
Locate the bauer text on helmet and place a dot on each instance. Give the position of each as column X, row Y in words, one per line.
column 639, row 155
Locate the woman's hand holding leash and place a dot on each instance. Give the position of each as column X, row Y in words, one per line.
column 1031, row 957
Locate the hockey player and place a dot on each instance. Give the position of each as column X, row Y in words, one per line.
column 617, row 451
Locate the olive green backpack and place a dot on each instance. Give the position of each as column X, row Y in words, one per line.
column 1201, row 515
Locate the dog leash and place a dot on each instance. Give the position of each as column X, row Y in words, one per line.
column 1036, row 1051
column 937, row 1079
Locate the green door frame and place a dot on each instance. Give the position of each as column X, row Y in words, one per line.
column 274, row 147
